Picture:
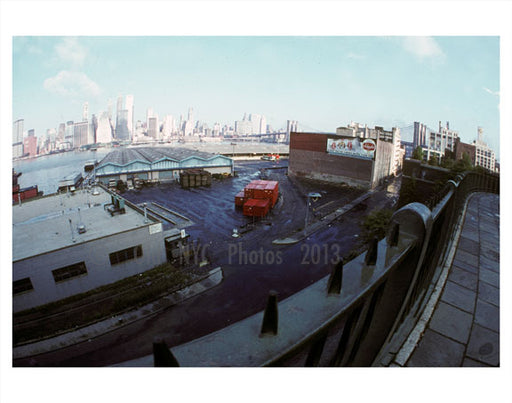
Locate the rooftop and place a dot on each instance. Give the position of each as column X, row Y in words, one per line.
column 125, row 155
column 42, row 225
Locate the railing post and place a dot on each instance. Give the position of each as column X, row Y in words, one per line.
column 394, row 235
column 336, row 279
column 162, row 356
column 371, row 255
column 270, row 317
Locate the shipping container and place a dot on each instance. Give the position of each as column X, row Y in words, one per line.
column 24, row 194
column 256, row 207
column 240, row 199
column 195, row 178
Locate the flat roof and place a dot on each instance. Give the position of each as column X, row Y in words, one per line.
column 42, row 225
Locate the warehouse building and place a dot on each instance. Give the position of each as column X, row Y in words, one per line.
column 355, row 155
column 71, row 243
column 158, row 163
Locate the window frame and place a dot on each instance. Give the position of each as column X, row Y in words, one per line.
column 124, row 255
column 16, row 284
column 71, row 271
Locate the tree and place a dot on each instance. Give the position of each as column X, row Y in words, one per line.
column 417, row 154
column 433, row 160
column 447, row 162
column 464, row 164
column 376, row 224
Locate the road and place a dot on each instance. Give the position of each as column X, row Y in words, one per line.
column 252, row 266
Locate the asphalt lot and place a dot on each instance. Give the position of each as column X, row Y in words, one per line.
column 251, row 264
column 214, row 214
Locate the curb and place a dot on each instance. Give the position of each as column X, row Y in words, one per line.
column 97, row 329
column 323, row 222
column 414, row 337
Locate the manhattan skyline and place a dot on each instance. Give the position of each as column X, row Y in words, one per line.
column 322, row 81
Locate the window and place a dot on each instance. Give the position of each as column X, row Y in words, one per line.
column 22, row 285
column 125, row 254
column 74, row 270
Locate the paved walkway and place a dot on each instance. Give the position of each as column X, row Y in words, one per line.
column 464, row 328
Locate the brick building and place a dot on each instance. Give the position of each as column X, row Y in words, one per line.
column 353, row 155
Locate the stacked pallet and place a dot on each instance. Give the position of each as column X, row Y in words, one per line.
column 192, row 178
column 258, row 197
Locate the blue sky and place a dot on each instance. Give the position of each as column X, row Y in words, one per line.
column 321, row 81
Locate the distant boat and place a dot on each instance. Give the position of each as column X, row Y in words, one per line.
column 25, row 193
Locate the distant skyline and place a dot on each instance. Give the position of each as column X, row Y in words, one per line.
column 321, row 81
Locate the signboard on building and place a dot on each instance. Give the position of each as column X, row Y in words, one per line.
column 352, row 147
column 155, row 228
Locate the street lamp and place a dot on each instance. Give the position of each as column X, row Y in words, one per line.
column 311, row 196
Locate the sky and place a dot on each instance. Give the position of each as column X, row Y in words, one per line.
column 323, row 82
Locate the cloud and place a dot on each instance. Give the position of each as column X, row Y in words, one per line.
column 70, row 51
column 72, row 84
column 355, row 56
column 423, row 47
column 495, row 93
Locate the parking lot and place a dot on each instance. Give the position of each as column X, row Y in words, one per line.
column 213, row 214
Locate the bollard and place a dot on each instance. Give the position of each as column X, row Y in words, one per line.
column 270, row 317
column 162, row 356
column 393, row 237
column 336, row 279
column 371, row 256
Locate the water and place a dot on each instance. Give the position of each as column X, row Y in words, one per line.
column 47, row 171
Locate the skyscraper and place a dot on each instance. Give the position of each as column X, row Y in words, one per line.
column 122, row 132
column 61, row 133
column 104, row 130
column 85, row 111
column 291, row 126
column 17, row 138
column 168, row 126
column 153, row 127
column 129, row 118
column 30, row 144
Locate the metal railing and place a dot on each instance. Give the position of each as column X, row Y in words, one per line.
column 362, row 313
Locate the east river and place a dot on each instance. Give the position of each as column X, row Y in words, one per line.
column 48, row 170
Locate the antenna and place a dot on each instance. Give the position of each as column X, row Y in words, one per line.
column 81, row 226
column 71, row 228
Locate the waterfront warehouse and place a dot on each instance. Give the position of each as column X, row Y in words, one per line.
column 357, row 156
column 158, row 164
column 67, row 244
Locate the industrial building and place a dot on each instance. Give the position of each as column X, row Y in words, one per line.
column 71, row 243
column 434, row 143
column 158, row 163
column 355, row 155
column 479, row 152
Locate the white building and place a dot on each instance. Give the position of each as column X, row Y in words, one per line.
column 104, row 130
column 484, row 155
column 168, row 126
column 434, row 143
column 53, row 258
